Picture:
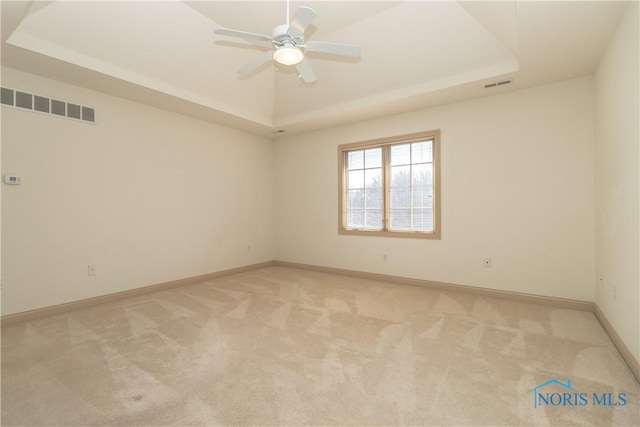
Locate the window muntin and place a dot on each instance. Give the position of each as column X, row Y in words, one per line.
column 411, row 186
column 364, row 189
column 390, row 187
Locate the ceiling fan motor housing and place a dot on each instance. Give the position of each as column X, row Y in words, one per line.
column 289, row 45
column 282, row 36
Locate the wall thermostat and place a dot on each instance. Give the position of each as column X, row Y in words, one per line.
column 12, row 179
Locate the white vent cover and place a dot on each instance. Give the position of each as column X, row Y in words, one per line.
column 43, row 104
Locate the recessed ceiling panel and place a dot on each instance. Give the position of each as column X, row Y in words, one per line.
column 417, row 45
column 166, row 46
column 414, row 53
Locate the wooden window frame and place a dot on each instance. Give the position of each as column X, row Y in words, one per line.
column 343, row 149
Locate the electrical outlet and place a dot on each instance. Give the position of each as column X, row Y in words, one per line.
column 385, row 258
column 486, row 263
column 248, row 248
column 91, row 270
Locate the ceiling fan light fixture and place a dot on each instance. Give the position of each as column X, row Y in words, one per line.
column 288, row 45
column 288, row 55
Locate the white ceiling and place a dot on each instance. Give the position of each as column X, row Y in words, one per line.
column 414, row 53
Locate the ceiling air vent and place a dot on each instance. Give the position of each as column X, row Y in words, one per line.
column 43, row 104
column 496, row 84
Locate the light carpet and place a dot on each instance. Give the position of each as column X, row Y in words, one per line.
column 281, row 346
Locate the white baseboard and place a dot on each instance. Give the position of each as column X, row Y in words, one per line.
column 626, row 354
column 494, row 293
column 61, row 308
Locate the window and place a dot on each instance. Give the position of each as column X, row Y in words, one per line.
column 390, row 187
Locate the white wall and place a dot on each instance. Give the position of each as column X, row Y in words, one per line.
column 517, row 186
column 617, row 181
column 147, row 195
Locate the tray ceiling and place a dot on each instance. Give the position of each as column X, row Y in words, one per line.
column 414, row 53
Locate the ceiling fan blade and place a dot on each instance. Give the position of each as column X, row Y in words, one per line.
column 334, row 48
column 242, row 34
column 306, row 73
column 257, row 62
column 301, row 20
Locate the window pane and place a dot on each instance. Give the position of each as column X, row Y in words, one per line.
column 355, row 179
column 421, row 174
column 355, row 200
column 373, row 219
column 423, row 219
column 373, row 158
column 400, row 176
column 373, row 199
column 400, row 154
column 422, row 197
column 422, row 152
column 400, row 218
column 400, row 197
column 373, row 178
column 355, row 160
column 355, row 219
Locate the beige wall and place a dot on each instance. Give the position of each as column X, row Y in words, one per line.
column 517, row 186
column 147, row 195
column 150, row 196
column 617, row 181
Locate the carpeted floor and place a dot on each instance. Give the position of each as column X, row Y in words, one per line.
column 280, row 346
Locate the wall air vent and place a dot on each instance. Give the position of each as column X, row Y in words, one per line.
column 500, row 83
column 46, row 105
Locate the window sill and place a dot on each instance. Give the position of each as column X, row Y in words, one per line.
column 432, row 235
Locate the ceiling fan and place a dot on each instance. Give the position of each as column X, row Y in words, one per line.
column 289, row 44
